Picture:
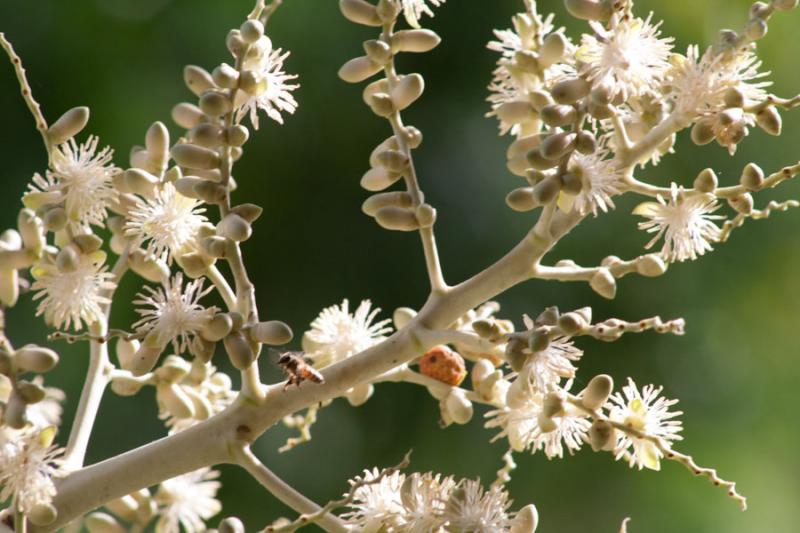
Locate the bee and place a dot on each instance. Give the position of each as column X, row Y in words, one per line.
column 296, row 367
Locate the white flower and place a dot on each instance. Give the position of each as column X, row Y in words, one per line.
column 375, row 503
column 336, row 334
column 513, row 81
column 684, row 221
column 473, row 509
column 600, row 180
column 72, row 299
column 187, row 501
column 168, row 222
column 698, row 84
column 646, row 412
column 274, row 90
column 414, row 9
column 520, row 424
column 629, row 59
column 82, row 178
column 174, row 313
column 28, row 464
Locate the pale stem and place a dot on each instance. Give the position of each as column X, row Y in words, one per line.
column 97, row 378
column 432, row 262
column 25, row 89
column 284, row 492
column 224, row 289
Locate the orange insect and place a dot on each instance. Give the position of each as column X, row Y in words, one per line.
column 296, row 367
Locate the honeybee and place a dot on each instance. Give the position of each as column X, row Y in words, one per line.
column 296, row 367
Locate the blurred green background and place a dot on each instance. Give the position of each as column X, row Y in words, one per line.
column 736, row 370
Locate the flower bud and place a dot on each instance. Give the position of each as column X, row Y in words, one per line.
column 521, row 199
column 402, row 316
column 67, row 259
column 13, row 260
column 172, row 399
column 602, row 436
column 600, row 111
column 360, row 12
column 706, row 181
column 14, row 414
column 235, row 43
column 54, row 219
column 274, row 332
column 31, row 230
column 209, row 191
column 570, row 90
column 488, row 329
column 407, row 90
column 202, row 349
column 147, row 355
column 236, row 135
column 207, row 135
column 239, row 350
column 147, row 266
column 742, row 204
column 359, row 394
column 443, row 364
column 604, row 284
column 124, row 507
column 570, row 184
column 124, row 385
column 359, row 69
column 68, row 125
column 556, row 115
column 702, row 132
column 572, row 323
column 126, row 351
column 770, row 120
column 379, row 178
column 217, row 328
column 9, row 285
column 547, row 190
column 480, row 371
column 537, row 161
column 42, row 514
column 784, row 5
column 30, row 393
column 651, row 265
column 458, row 406
column 526, row 520
column 234, row 227
column 140, row 182
column 589, row 9
column 538, row 341
column 102, row 523
column 393, row 160
column 192, row 156
column 187, row 115
column 381, row 104
column 231, row 525
column 32, row 358
column 552, row 49
column 378, row 51
column 251, row 30
column 377, row 201
column 597, row 392
column 156, row 140
column 215, row 104
column 397, row 219
column 756, row 29
column 415, row 41
column 752, row 177
column 557, row 145
column 197, row 79
column 515, row 352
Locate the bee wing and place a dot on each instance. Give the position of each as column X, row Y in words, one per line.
column 274, row 355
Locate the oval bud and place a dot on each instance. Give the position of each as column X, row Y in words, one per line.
column 459, row 407
column 377, row 201
column 123, row 385
column 148, row 266
column 589, row 9
column 547, row 190
column 602, row 436
column 570, row 91
column 359, row 69
column 32, row 358
column 187, row 115
column 521, row 199
column 231, row 525
column 651, row 265
column 140, row 182
column 126, row 352
column 68, row 125
column 770, row 120
column 706, row 181
column 192, row 156
column 407, row 90
column 537, row 161
column 217, row 328
column 379, row 178
column 156, row 140
column 742, row 204
column 572, row 323
column 235, row 228
column 215, row 104
column 197, row 79
column 251, row 30
column 597, row 392
column 752, row 177
column 402, row 316
column 784, row 5
column 393, row 160
column 42, row 514
column 172, row 399
column 31, row 230
column 359, row 394
column 360, row 12
column 274, row 333
column 415, row 41
column 207, row 135
column 604, row 284
column 557, row 145
column 552, row 49
column 9, row 285
column 146, row 356
column 526, row 520
column 54, row 219
column 585, row 142
column 378, row 51
column 556, row 115
column 397, row 218
column 239, row 350
column 102, row 523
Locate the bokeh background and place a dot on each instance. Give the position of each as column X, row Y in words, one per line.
column 735, row 371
